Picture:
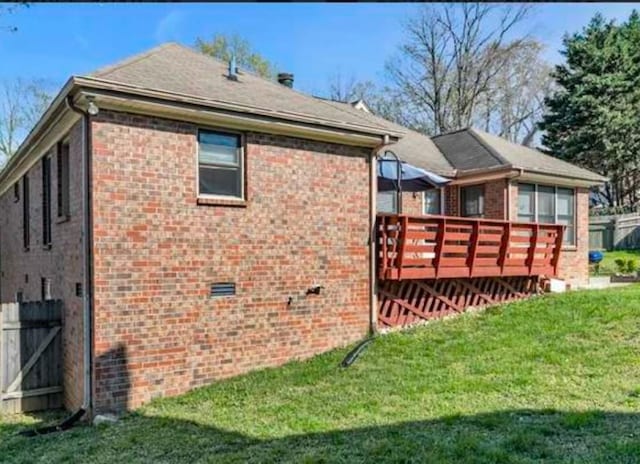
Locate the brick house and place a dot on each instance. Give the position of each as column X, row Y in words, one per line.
column 199, row 222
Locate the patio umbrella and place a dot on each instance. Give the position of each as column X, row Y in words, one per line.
column 412, row 179
column 395, row 175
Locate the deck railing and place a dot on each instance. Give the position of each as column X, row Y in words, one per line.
column 432, row 247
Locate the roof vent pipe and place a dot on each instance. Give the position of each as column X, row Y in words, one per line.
column 286, row 79
column 233, row 69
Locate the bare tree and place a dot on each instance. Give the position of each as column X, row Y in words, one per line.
column 350, row 89
column 224, row 47
column 513, row 104
column 450, row 57
column 382, row 101
column 21, row 105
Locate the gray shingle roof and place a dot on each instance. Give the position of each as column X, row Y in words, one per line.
column 414, row 148
column 472, row 148
column 181, row 70
column 178, row 69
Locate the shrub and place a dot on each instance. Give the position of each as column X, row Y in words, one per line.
column 631, row 266
column 621, row 265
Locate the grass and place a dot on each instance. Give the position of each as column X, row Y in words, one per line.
column 555, row 379
column 608, row 264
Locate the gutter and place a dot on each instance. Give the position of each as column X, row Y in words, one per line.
column 87, row 242
column 115, row 88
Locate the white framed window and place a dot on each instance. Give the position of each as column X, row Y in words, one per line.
column 220, row 164
column 387, row 202
column 548, row 204
column 472, row 201
column 432, row 201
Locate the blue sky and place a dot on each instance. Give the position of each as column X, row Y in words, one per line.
column 314, row 40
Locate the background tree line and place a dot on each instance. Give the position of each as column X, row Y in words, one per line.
column 466, row 64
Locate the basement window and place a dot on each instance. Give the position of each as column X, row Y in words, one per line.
column 220, row 165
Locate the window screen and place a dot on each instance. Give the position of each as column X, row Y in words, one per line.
column 526, row 203
column 387, row 202
column 220, row 164
column 566, row 214
column 432, row 201
column 472, row 201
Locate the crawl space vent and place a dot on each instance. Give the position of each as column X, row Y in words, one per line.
column 223, row 289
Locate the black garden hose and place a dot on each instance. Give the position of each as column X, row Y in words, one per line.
column 351, row 357
column 62, row 426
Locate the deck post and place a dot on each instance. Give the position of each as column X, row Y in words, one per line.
column 533, row 244
column 382, row 229
column 504, row 246
column 558, row 247
column 440, row 236
column 404, row 225
column 475, row 233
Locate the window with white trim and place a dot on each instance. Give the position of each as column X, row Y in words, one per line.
column 472, row 201
column 387, row 202
column 548, row 204
column 220, row 164
column 432, row 201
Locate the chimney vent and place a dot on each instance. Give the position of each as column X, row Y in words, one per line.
column 286, row 79
column 233, row 69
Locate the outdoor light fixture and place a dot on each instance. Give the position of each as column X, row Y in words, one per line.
column 92, row 109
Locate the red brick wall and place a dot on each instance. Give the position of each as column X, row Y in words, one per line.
column 412, row 203
column 451, row 201
column 495, row 194
column 574, row 261
column 22, row 270
column 157, row 332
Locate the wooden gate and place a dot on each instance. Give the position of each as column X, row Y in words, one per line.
column 30, row 356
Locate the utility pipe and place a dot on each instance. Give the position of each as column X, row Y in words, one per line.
column 373, row 190
column 87, row 241
column 87, row 275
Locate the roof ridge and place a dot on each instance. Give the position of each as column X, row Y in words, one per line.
column 132, row 59
column 252, row 74
column 269, row 81
column 451, row 132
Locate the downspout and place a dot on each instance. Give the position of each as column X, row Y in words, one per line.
column 87, row 267
column 373, row 190
column 87, row 281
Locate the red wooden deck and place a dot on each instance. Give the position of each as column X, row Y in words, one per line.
column 435, row 247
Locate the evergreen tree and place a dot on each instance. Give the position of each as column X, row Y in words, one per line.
column 593, row 119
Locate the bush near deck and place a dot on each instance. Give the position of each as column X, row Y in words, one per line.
column 554, row 379
column 608, row 264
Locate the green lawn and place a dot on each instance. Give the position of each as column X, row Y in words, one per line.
column 555, row 379
column 608, row 264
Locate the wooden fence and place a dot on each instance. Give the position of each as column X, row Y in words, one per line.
column 30, row 356
column 620, row 232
